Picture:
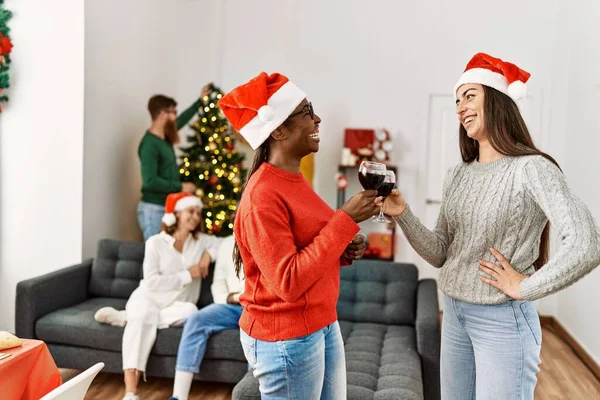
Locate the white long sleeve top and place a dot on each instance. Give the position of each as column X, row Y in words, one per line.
column 225, row 281
column 166, row 270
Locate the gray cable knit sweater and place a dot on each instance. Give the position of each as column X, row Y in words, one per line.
column 505, row 204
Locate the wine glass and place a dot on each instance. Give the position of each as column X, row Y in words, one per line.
column 371, row 174
column 384, row 190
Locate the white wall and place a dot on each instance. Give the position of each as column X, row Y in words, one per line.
column 126, row 62
column 579, row 306
column 41, row 146
column 198, row 57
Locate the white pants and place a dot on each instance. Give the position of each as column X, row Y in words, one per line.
column 143, row 318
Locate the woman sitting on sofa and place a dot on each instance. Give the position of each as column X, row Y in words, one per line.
column 175, row 261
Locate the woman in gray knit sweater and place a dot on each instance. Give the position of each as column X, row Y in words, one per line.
column 491, row 239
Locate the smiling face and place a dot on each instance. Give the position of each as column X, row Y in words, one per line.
column 302, row 131
column 469, row 109
column 189, row 218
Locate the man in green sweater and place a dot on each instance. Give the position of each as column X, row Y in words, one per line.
column 160, row 174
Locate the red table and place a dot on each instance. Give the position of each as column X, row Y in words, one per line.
column 29, row 373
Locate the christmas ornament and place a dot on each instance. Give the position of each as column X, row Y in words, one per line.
column 213, row 180
column 341, row 181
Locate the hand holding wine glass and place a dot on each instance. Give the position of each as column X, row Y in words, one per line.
column 361, row 206
column 394, row 204
column 384, row 190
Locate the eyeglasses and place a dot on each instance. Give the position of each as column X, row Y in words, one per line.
column 311, row 111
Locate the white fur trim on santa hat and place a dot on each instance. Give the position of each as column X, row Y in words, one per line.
column 279, row 107
column 187, row 201
column 484, row 77
column 169, row 219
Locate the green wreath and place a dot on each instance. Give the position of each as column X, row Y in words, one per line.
column 5, row 48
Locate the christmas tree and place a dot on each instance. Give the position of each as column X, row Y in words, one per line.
column 214, row 165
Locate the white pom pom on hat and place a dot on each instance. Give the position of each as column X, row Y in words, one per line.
column 517, row 90
column 266, row 113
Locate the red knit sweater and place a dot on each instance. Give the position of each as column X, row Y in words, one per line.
column 291, row 243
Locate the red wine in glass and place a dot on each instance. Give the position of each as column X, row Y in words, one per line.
column 371, row 175
column 370, row 180
column 389, row 182
column 385, row 189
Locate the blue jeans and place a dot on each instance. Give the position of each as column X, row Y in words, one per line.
column 150, row 217
column 489, row 351
column 309, row 367
column 198, row 328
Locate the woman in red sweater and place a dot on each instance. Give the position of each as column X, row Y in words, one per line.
column 292, row 245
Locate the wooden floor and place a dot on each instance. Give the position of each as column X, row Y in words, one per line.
column 562, row 377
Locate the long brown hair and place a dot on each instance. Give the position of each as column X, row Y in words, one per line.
column 261, row 155
column 508, row 134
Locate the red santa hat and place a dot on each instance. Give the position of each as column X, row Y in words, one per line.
column 255, row 109
column 178, row 202
column 493, row 72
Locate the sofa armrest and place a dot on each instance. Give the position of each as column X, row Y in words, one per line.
column 44, row 294
column 429, row 337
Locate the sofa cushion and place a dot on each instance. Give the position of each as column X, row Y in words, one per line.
column 117, row 268
column 76, row 326
column 381, row 363
column 378, row 292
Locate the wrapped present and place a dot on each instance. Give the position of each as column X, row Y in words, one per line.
column 357, row 139
column 380, row 245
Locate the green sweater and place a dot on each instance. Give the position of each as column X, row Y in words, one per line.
column 160, row 175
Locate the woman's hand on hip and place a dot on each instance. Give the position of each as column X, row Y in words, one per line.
column 505, row 277
column 394, row 204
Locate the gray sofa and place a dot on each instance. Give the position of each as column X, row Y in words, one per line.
column 389, row 321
